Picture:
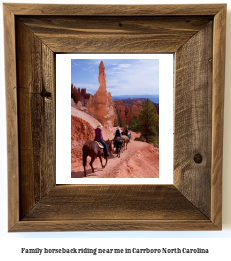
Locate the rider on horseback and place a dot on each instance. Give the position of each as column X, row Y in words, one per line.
column 118, row 141
column 99, row 138
column 125, row 132
column 117, row 132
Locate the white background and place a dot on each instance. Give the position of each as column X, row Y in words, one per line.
column 217, row 241
column 63, row 119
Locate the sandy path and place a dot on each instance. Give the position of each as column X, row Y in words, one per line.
column 140, row 160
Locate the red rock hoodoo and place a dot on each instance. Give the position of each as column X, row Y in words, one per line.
column 100, row 106
column 80, row 95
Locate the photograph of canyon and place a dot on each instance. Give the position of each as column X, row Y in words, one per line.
column 111, row 94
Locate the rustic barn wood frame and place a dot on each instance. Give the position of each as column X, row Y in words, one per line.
column 33, row 34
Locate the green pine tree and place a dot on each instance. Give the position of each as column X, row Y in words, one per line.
column 148, row 122
column 134, row 124
column 120, row 120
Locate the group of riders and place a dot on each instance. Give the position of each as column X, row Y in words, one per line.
column 117, row 134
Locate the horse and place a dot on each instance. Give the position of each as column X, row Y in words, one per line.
column 92, row 149
column 130, row 134
column 109, row 146
column 126, row 140
column 118, row 143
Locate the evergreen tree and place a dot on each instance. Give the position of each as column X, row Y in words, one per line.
column 134, row 124
column 120, row 120
column 114, row 123
column 148, row 121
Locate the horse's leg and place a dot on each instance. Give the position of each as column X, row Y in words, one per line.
column 117, row 150
column 105, row 162
column 101, row 162
column 124, row 145
column 102, row 154
column 84, row 161
column 91, row 163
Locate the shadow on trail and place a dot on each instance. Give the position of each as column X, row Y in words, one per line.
column 80, row 174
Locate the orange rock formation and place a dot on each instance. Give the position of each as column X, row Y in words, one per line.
column 100, row 106
column 81, row 131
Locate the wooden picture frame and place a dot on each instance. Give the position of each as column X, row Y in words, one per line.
column 33, row 34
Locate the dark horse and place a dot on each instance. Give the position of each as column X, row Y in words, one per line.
column 118, row 142
column 92, row 149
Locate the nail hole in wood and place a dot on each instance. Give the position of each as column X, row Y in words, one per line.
column 198, row 158
column 45, row 94
column 120, row 24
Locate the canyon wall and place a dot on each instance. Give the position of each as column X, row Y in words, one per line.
column 127, row 111
column 81, row 131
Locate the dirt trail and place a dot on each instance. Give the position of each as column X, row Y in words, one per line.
column 139, row 160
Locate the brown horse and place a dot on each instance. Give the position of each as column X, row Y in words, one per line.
column 130, row 134
column 92, row 149
column 126, row 140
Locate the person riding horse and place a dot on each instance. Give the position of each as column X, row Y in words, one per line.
column 118, row 141
column 99, row 138
column 126, row 131
column 117, row 132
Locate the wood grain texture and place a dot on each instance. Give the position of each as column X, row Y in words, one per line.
column 114, row 202
column 114, row 34
column 12, row 122
column 193, row 114
column 218, row 115
column 36, row 106
column 114, row 10
column 114, row 207
column 191, row 203
column 114, row 225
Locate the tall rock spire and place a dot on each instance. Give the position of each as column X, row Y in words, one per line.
column 101, row 105
column 102, row 78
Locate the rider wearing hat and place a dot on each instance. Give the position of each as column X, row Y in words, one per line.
column 99, row 138
column 117, row 132
column 125, row 132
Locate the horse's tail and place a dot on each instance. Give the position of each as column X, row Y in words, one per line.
column 85, row 147
column 118, row 142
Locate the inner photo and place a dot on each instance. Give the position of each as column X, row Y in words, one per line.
column 114, row 118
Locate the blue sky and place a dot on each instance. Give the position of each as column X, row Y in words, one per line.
column 123, row 76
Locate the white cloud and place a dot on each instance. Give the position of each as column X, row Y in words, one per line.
column 124, row 65
column 139, row 77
